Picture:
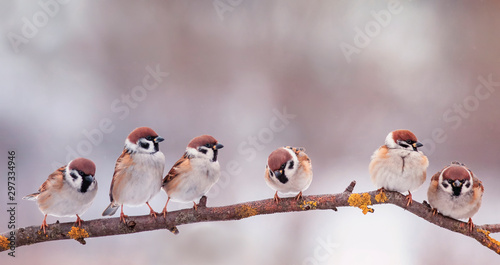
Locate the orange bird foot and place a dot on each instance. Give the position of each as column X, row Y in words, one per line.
column 152, row 213
column 44, row 224
column 277, row 198
column 299, row 196
column 409, row 199
column 434, row 211
column 471, row 225
column 123, row 216
column 79, row 221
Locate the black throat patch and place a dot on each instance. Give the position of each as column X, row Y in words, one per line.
column 282, row 178
column 456, row 190
column 214, row 159
column 85, row 185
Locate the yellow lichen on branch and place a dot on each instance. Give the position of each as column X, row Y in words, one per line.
column 246, row 211
column 381, row 197
column 4, row 242
column 308, row 205
column 108, row 226
column 78, row 233
column 492, row 240
column 361, row 201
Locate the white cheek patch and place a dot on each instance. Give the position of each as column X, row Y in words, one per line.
column 193, row 152
column 139, row 146
column 467, row 186
column 470, row 182
column 75, row 183
column 151, row 147
column 446, row 186
column 209, row 153
column 291, row 171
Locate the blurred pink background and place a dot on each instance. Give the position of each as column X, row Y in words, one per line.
column 331, row 76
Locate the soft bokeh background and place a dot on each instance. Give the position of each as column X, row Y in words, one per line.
column 231, row 69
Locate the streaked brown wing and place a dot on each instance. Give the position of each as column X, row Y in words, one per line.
column 124, row 161
column 477, row 184
column 52, row 180
column 182, row 165
column 435, row 177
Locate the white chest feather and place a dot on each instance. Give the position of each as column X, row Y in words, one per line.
column 192, row 185
column 458, row 207
column 297, row 182
column 66, row 202
column 141, row 181
column 398, row 170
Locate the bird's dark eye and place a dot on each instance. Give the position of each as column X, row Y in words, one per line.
column 150, row 138
column 208, row 145
column 409, row 141
column 144, row 145
column 283, row 166
column 81, row 173
column 450, row 181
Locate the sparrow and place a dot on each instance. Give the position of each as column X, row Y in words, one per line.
column 456, row 192
column 288, row 170
column 398, row 165
column 138, row 172
column 68, row 191
column 192, row 176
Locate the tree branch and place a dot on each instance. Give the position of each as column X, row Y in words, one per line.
column 113, row 226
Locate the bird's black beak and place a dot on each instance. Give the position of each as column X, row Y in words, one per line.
column 456, row 183
column 278, row 173
column 158, row 139
column 416, row 145
column 217, row 146
column 88, row 178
